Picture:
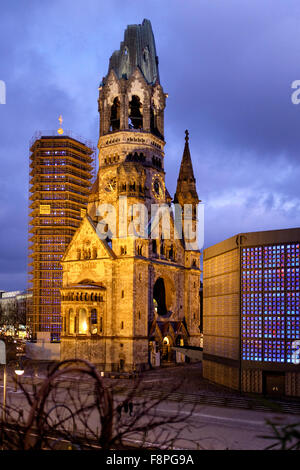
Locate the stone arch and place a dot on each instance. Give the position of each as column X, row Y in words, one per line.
column 135, row 113
column 163, row 296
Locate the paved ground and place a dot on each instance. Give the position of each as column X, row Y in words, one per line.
column 182, row 383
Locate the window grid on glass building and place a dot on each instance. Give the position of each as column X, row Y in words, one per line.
column 270, row 302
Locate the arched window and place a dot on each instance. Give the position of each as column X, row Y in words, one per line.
column 135, row 117
column 115, row 115
column 159, row 297
column 83, row 325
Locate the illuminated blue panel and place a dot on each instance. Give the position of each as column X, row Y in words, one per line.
column 252, row 350
column 252, row 257
column 274, row 256
column 252, row 327
column 252, row 280
column 293, row 328
column 274, row 327
column 274, row 303
column 292, row 303
column 252, row 303
column 274, row 279
column 274, row 351
column 270, row 300
column 292, row 255
column 292, row 279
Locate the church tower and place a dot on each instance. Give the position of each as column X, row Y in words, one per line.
column 131, row 136
column 129, row 294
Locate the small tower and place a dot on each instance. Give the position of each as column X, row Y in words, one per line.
column 186, row 192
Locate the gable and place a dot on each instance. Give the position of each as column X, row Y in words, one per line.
column 137, row 85
column 86, row 244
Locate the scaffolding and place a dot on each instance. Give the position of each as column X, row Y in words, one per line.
column 62, row 170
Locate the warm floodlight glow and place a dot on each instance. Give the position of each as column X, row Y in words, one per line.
column 60, row 130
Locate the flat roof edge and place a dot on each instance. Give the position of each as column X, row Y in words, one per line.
column 265, row 237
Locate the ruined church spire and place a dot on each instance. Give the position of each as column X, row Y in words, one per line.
column 136, row 50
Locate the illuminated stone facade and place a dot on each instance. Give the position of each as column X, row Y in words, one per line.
column 126, row 297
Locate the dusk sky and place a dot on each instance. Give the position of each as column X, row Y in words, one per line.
column 227, row 66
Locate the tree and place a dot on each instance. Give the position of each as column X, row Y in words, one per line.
column 61, row 412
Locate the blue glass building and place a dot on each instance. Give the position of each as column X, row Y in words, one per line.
column 251, row 312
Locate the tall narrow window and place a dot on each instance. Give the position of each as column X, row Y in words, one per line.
column 94, row 321
column 71, row 322
column 135, row 118
column 115, row 115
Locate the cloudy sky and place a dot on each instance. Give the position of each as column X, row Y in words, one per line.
column 227, row 65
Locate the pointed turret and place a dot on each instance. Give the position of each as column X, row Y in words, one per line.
column 186, row 192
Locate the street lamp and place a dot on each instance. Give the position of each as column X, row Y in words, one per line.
column 19, row 371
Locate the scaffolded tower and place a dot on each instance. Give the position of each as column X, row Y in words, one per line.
column 61, row 173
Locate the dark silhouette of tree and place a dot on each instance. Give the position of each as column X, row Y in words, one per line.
column 85, row 413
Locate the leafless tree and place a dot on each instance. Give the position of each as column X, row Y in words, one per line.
column 284, row 437
column 90, row 412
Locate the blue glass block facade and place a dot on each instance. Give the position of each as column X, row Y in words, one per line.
column 270, row 302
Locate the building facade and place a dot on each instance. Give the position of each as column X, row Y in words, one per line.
column 60, row 180
column 251, row 312
column 128, row 297
column 13, row 307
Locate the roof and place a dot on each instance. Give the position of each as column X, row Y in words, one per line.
column 82, row 285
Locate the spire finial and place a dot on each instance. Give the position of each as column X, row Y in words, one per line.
column 187, row 136
column 60, row 130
